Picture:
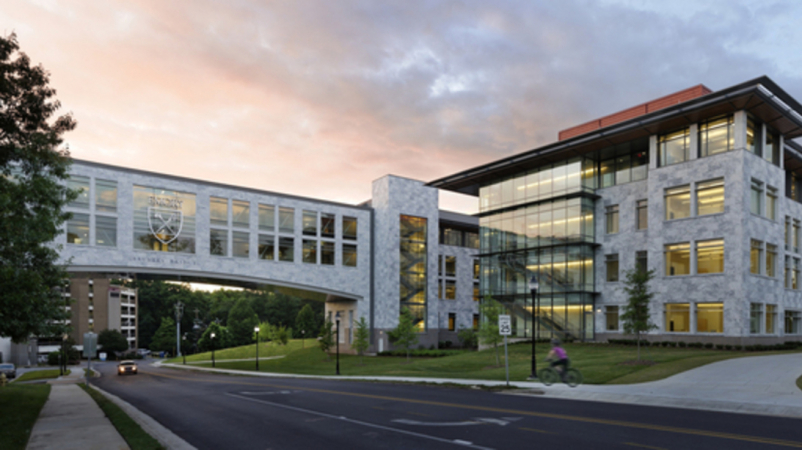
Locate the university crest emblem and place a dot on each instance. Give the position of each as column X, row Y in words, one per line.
column 165, row 224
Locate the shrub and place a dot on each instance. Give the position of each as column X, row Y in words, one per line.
column 728, row 347
column 738, row 347
column 682, row 344
column 719, row 347
column 709, row 345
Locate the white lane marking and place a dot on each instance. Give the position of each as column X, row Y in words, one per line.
column 358, row 422
column 436, row 424
column 461, row 442
column 266, row 393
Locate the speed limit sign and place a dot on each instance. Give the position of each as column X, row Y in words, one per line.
column 504, row 325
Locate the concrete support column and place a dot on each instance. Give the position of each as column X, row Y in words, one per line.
column 693, row 141
column 653, row 152
column 739, row 128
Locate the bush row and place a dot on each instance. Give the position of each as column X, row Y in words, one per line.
column 789, row 345
column 421, row 352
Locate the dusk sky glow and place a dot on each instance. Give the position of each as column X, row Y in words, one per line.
column 319, row 98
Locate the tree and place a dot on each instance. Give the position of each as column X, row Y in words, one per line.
column 164, row 339
column 33, row 194
column 468, row 337
column 305, row 321
column 112, row 341
column 636, row 317
column 488, row 331
column 325, row 339
column 404, row 335
column 265, row 332
column 281, row 334
column 241, row 322
column 220, row 340
column 361, row 338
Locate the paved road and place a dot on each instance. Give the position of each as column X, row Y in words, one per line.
column 213, row 411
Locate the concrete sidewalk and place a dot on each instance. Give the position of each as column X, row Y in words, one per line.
column 71, row 420
column 763, row 385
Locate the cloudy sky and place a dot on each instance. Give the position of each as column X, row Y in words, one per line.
column 319, row 98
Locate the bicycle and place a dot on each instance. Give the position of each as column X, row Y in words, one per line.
column 550, row 375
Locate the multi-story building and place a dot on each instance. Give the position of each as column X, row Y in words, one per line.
column 704, row 188
column 97, row 304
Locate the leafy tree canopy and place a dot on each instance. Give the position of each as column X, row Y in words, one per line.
column 405, row 335
column 241, row 322
column 361, row 337
column 220, row 340
column 112, row 341
column 164, row 339
column 305, row 321
column 33, row 193
column 488, row 330
column 636, row 317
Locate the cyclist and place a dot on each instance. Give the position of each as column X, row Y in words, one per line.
column 558, row 357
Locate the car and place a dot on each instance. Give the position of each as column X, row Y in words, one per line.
column 143, row 352
column 127, row 367
column 9, row 370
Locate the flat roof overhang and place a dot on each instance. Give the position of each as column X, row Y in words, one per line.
column 761, row 97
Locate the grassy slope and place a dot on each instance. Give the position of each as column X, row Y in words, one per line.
column 266, row 349
column 19, row 408
column 40, row 375
column 600, row 364
column 799, row 382
column 133, row 434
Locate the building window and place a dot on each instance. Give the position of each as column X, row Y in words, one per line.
column 756, row 195
column 80, row 184
column 755, row 255
column 753, row 136
column 643, row 214
column 678, row 202
column 674, row 147
column 240, row 214
column 309, row 251
column 240, row 243
column 327, row 253
column 771, row 203
column 642, row 261
column 412, row 270
column 612, row 219
column 611, row 317
column 787, row 233
column 310, row 223
column 771, row 319
column 451, row 266
column 267, row 218
column 710, row 317
column 710, row 197
column 678, row 317
column 286, row 249
column 105, row 196
column 286, row 220
column 710, row 256
column 471, row 239
column 327, row 225
column 440, row 265
column 452, row 321
column 476, row 321
column 792, row 321
column 772, row 151
column 78, row 229
column 476, row 292
column 612, row 267
column 755, row 317
column 106, row 231
column 349, row 228
column 475, row 269
column 349, row 255
column 795, row 275
column 218, row 242
column 450, row 290
column 678, row 259
column 795, row 236
column 787, row 282
column 267, row 247
column 452, row 237
column 440, row 291
column 771, row 260
column 716, row 136
column 218, row 211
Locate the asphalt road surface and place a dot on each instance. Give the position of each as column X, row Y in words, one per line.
column 229, row 412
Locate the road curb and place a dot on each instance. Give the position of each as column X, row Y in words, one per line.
column 159, row 432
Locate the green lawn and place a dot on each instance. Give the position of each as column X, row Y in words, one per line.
column 266, row 349
column 20, row 405
column 40, row 375
column 599, row 363
column 799, row 382
column 133, row 434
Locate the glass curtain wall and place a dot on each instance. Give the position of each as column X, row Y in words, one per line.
column 413, row 268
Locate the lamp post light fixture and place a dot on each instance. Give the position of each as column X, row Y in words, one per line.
column 337, row 319
column 256, row 329
column 533, row 287
column 303, row 337
column 212, row 337
column 184, row 338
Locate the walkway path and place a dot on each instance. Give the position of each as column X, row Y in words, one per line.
column 71, row 419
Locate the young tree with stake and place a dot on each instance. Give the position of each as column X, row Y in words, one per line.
column 636, row 317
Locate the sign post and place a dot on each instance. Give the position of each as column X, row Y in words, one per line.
column 505, row 329
column 90, row 350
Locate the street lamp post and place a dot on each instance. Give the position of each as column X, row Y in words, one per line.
column 337, row 319
column 533, row 286
column 256, row 329
column 212, row 338
column 179, row 312
column 184, row 338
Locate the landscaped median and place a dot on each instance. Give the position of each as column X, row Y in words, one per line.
column 41, row 375
column 133, row 434
column 599, row 363
column 20, row 405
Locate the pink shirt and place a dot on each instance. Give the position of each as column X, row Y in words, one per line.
column 560, row 353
